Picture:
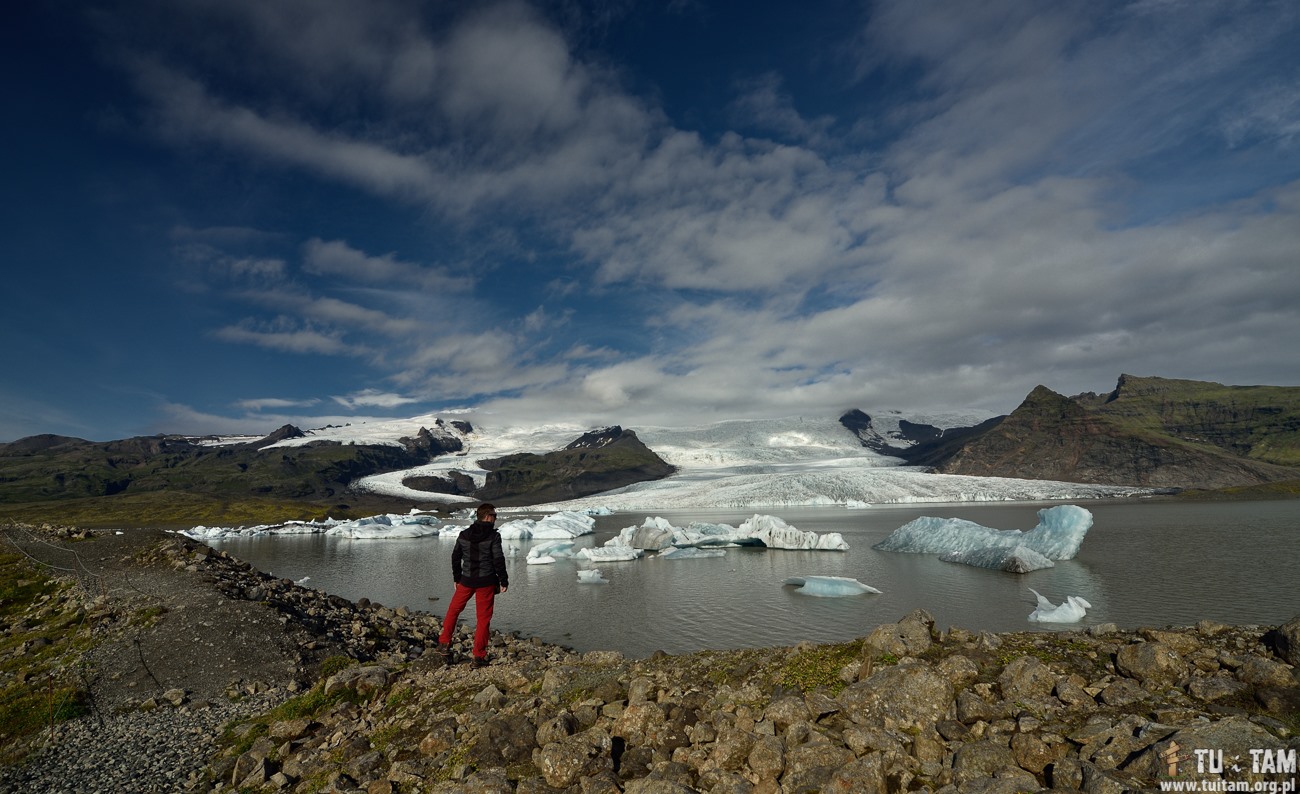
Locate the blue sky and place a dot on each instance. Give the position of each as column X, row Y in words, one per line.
column 226, row 215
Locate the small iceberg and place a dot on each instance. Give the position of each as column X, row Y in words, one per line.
column 829, row 586
column 548, row 552
column 591, row 576
column 609, row 554
column 689, row 553
column 1072, row 611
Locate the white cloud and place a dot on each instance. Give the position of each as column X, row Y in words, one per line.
column 337, row 258
column 993, row 244
column 373, row 398
column 287, row 336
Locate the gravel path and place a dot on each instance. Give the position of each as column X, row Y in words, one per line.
column 162, row 750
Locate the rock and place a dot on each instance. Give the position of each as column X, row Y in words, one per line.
column 1122, row 692
column 1285, row 641
column 564, row 762
column 1212, row 688
column 864, row 775
column 1026, row 678
column 365, row 680
column 908, row 637
column 809, row 767
column 1155, row 664
column 767, row 758
column 1259, row 671
column 980, row 760
column 899, row 697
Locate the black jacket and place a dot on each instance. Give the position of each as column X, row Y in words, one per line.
column 477, row 560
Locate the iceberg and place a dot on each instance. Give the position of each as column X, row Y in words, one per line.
column 1072, row 611
column 657, row 534
column 557, row 526
column 591, row 576
column 1059, row 534
column 392, row 525
column 609, row 554
column 548, row 552
column 1013, row 559
column 832, row 586
column 676, row 553
column 774, row 533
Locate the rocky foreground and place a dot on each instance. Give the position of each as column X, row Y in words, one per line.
column 909, row 707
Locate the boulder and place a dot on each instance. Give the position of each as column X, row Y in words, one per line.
column 1285, row 641
column 1155, row 664
column 899, row 697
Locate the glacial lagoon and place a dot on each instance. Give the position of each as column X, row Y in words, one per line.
column 1143, row 563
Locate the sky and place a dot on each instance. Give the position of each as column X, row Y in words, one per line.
column 222, row 216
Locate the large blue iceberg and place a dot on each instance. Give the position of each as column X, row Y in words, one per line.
column 1059, row 534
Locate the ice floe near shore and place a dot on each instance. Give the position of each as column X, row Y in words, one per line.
column 1072, row 611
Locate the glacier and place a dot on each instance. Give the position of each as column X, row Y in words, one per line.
column 743, row 464
column 829, row 586
column 1071, row 611
column 1058, row 535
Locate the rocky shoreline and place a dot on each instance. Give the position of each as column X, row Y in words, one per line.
column 356, row 703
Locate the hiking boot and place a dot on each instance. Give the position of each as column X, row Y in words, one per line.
column 444, row 653
column 479, row 661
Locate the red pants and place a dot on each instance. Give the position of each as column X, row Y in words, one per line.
column 483, row 598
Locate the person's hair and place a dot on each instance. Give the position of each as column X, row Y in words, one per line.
column 484, row 509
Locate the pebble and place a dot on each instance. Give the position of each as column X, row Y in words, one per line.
column 161, row 750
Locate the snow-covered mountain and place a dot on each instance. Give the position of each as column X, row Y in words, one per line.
column 733, row 464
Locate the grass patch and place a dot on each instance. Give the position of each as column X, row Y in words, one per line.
column 820, row 667
column 39, row 655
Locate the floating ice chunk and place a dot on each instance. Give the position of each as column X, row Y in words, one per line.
column 1058, row 535
column 385, row 527
column 1012, row 559
column 676, row 553
column 1072, row 611
column 591, row 576
column 829, row 586
column 609, row 553
column 776, row 534
column 559, row 526
column 549, row 552
column 856, row 504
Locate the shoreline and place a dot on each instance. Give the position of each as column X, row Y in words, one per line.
column 925, row 707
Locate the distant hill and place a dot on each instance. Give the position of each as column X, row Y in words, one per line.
column 1149, row 431
column 163, row 480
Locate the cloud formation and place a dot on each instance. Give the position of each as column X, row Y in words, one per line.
column 943, row 204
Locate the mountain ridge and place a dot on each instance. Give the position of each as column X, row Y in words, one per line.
column 1148, row 431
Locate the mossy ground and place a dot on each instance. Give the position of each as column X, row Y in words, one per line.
column 41, row 650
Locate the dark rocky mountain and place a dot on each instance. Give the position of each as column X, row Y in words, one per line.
column 916, row 443
column 597, row 461
column 1152, row 432
column 174, row 479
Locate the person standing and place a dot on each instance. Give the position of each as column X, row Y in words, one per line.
column 478, row 567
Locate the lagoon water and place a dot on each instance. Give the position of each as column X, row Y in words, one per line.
column 1143, row 563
